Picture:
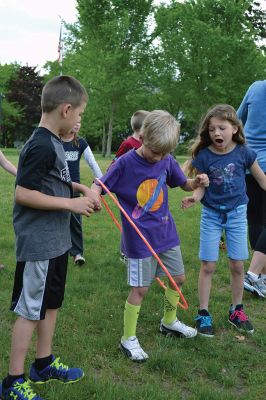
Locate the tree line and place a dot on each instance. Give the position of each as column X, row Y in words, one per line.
column 130, row 55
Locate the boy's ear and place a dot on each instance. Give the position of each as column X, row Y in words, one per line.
column 65, row 109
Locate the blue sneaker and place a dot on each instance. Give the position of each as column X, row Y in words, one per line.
column 204, row 324
column 55, row 371
column 20, row 390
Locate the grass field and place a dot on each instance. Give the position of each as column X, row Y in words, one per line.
column 226, row 367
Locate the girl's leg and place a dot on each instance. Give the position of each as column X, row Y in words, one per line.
column 237, row 278
column 204, row 283
column 237, row 316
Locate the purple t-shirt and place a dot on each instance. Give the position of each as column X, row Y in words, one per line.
column 141, row 188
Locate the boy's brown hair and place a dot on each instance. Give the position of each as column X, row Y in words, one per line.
column 137, row 119
column 60, row 90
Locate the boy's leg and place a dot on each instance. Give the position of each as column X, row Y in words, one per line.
column 21, row 338
column 45, row 333
column 140, row 274
column 170, row 325
column 129, row 344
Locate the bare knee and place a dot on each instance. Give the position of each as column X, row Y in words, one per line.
column 237, row 267
column 207, row 267
column 137, row 294
column 179, row 280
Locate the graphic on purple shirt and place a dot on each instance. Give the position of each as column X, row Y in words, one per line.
column 141, row 188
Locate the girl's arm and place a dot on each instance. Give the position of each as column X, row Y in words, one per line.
column 258, row 174
column 190, row 201
column 7, row 165
column 201, row 180
column 89, row 157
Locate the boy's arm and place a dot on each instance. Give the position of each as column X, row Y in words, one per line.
column 87, row 192
column 7, row 165
column 201, row 180
column 37, row 200
column 258, row 174
column 96, row 188
column 190, row 201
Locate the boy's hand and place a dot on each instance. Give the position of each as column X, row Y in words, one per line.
column 94, row 197
column 188, row 202
column 202, row 180
column 83, row 205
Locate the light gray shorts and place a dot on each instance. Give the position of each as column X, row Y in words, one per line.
column 142, row 271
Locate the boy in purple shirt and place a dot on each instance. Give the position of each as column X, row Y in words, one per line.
column 140, row 179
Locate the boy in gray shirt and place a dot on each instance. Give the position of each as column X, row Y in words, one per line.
column 43, row 202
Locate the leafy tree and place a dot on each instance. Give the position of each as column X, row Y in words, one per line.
column 8, row 110
column 208, row 53
column 23, row 91
column 110, row 46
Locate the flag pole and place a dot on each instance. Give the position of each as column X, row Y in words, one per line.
column 60, row 47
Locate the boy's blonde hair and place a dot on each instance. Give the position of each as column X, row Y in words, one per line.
column 160, row 132
column 137, row 119
column 60, row 90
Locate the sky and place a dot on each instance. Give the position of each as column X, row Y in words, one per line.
column 29, row 29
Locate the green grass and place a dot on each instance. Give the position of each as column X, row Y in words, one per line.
column 90, row 323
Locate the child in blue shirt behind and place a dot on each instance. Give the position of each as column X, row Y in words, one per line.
column 221, row 153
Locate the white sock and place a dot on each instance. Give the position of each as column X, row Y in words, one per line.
column 255, row 277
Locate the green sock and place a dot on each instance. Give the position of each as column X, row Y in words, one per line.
column 131, row 314
column 171, row 299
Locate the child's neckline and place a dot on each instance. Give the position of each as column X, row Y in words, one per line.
column 219, row 153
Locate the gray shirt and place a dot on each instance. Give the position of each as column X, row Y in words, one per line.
column 42, row 234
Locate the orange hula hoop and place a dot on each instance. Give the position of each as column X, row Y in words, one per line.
column 184, row 303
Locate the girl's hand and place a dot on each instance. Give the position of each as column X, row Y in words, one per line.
column 188, row 202
column 202, row 180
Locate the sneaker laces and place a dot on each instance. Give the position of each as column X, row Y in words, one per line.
column 205, row 320
column 25, row 389
column 240, row 314
column 60, row 368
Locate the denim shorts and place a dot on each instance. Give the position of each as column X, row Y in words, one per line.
column 233, row 223
column 141, row 272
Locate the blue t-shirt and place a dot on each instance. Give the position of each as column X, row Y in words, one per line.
column 252, row 112
column 141, row 188
column 73, row 154
column 226, row 172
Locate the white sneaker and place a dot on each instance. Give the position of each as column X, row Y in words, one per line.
column 258, row 287
column 177, row 328
column 79, row 259
column 132, row 349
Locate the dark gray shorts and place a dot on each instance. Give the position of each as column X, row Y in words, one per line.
column 38, row 286
column 141, row 272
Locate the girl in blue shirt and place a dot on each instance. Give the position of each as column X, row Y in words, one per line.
column 220, row 152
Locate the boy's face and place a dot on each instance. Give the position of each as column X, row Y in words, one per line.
column 151, row 155
column 73, row 116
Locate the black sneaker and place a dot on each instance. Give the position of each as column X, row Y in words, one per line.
column 204, row 323
column 240, row 320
